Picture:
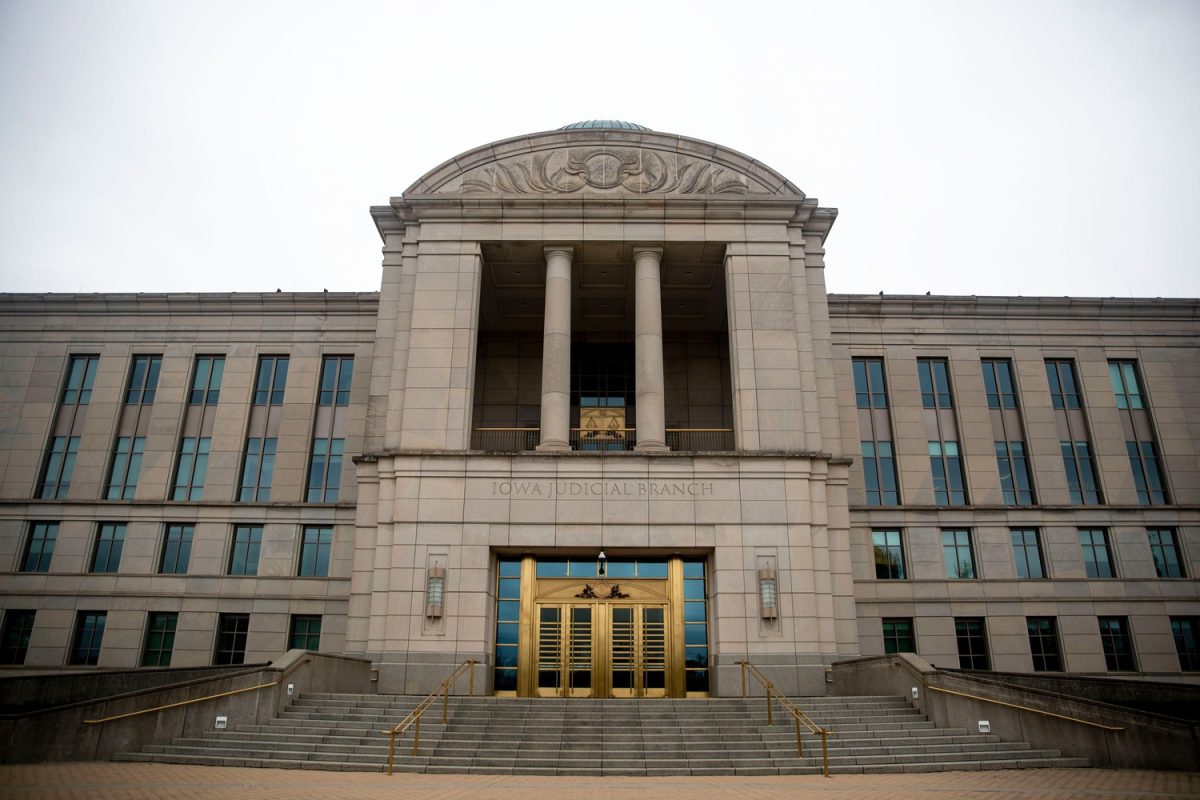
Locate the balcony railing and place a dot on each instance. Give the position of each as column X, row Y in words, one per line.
column 611, row 440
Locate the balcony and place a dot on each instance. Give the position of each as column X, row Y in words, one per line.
column 612, row 440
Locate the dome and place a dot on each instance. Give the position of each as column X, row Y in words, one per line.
column 604, row 123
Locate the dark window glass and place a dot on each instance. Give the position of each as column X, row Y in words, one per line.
column 1187, row 645
column 879, row 473
column 206, row 381
column 110, row 539
column 956, row 551
column 325, row 470
column 89, row 633
column 60, row 464
column 1064, row 389
column 898, row 635
column 160, row 639
column 1097, row 560
column 126, row 465
column 177, row 550
column 39, row 549
column 143, row 380
column 258, row 469
column 315, row 549
column 336, row 375
column 1126, row 385
column 1117, row 643
column 934, row 374
column 305, row 633
column 889, row 555
column 998, row 383
column 508, row 613
column 1147, row 474
column 232, row 630
column 1164, row 547
column 243, row 557
column 1015, row 484
column 869, row 388
column 949, row 483
column 1081, row 473
column 1027, row 553
column 1043, row 644
column 972, row 643
column 270, row 381
column 14, row 639
column 81, row 374
column 192, row 468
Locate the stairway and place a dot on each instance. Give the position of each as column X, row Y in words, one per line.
column 720, row 736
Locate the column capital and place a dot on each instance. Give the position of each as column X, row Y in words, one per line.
column 567, row 251
column 655, row 250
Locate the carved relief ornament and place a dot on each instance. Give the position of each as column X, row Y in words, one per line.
column 604, row 168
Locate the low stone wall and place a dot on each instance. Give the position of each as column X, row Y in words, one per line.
column 1117, row 737
column 247, row 696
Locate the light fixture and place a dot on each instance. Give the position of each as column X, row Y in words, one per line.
column 768, row 592
column 603, row 559
column 435, row 591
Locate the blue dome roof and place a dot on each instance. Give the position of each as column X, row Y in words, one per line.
column 604, row 123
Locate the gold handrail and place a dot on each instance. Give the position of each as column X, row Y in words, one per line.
column 414, row 717
column 1021, row 708
column 169, row 706
column 797, row 714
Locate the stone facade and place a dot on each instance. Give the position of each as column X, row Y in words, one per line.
column 519, row 281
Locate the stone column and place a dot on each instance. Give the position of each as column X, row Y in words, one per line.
column 648, row 350
column 556, row 352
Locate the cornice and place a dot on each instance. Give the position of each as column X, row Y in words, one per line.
column 365, row 303
column 941, row 306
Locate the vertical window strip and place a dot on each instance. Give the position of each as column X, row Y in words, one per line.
column 126, row 467
column 1081, row 473
column 1147, row 475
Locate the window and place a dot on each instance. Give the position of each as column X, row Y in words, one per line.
column 206, row 381
column 177, row 550
column 934, row 375
column 325, row 470
column 192, row 468
column 160, row 639
column 1165, row 549
column 232, row 630
column 889, row 555
column 315, row 548
column 508, row 619
column 1043, row 644
column 1064, row 389
column 1117, row 643
column 258, row 468
column 40, row 547
column 998, row 383
column 898, row 635
column 1081, row 473
column 89, row 633
column 60, row 463
column 949, row 486
column 1027, row 553
column 1125, row 383
column 243, row 556
column 879, row 474
column 270, row 381
column 143, row 380
column 14, row 639
column 1147, row 474
column 972, row 643
column 126, row 464
column 956, row 551
column 336, row 373
column 1015, row 485
column 110, row 539
column 81, row 374
column 1184, row 629
column 305, row 633
column 1096, row 558
column 869, row 388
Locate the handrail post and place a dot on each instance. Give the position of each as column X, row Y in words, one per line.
column 799, row 745
column 743, row 663
column 471, row 678
column 391, row 751
column 446, row 706
column 825, row 750
column 417, row 734
column 770, row 720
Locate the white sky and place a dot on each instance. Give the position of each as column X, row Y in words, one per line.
column 1005, row 147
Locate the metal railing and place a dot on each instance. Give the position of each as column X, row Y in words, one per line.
column 413, row 720
column 512, row 440
column 799, row 716
column 1037, row 711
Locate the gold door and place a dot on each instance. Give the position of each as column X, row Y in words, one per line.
column 601, row 650
column 638, row 648
column 565, row 650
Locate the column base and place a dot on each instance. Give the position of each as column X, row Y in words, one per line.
column 651, row 447
column 553, row 447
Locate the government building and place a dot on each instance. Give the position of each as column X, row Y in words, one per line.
column 603, row 429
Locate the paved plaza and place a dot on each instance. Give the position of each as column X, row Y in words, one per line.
column 146, row 781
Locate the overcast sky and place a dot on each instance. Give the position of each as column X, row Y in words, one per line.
column 1003, row 147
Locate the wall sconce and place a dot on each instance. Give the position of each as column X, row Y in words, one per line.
column 768, row 592
column 435, row 591
column 603, row 560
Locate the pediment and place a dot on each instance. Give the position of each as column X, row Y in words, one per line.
column 606, row 163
